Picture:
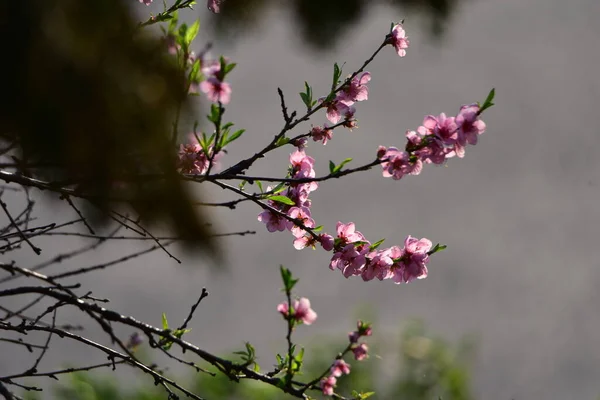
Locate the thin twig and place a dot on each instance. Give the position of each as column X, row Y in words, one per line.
column 35, row 249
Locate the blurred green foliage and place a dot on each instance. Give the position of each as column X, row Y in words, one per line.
column 418, row 366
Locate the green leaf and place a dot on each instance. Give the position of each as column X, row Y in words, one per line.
column 214, row 114
column 376, row 244
column 173, row 22
column 260, row 187
column 437, row 248
column 279, row 188
column 288, row 281
column 281, row 199
column 489, row 101
column 242, row 184
column 300, row 356
column 178, row 333
column 307, row 96
column 195, row 70
column 165, row 323
column 191, row 33
column 361, row 395
column 282, row 141
column 337, row 72
column 181, row 33
column 331, row 166
column 305, row 99
column 318, row 228
column 233, row 137
column 229, row 68
column 339, row 167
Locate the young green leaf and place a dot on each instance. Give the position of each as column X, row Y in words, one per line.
column 260, row 187
column 339, row 167
column 376, row 244
column 279, row 188
column 489, row 101
column 288, row 281
column 337, row 72
column 173, row 22
column 281, row 199
column 282, row 141
column 233, row 137
column 192, row 31
column 437, row 248
column 165, row 323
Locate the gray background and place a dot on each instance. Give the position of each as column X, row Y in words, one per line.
column 516, row 213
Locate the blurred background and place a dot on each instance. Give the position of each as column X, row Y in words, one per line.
column 517, row 212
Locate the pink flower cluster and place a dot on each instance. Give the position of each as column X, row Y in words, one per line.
column 354, row 257
column 340, row 367
column 343, row 103
column 352, row 253
column 193, row 160
column 302, row 167
column 438, row 139
column 301, row 311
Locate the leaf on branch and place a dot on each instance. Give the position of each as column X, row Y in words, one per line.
column 282, row 199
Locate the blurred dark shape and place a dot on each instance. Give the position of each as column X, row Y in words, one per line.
column 90, row 101
column 324, row 23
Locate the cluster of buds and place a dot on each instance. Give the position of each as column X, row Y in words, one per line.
column 340, row 367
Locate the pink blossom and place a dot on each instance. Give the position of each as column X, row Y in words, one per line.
column 412, row 264
column 302, row 311
column 339, row 368
column 214, row 5
column 304, row 241
column 350, row 260
column 303, row 215
column 216, row 91
column 302, row 165
column 335, row 110
column 353, row 336
column 326, row 241
column 146, row 2
column 356, row 90
column 446, row 129
column 321, row 133
column 378, row 265
column 328, row 384
column 398, row 39
column 274, row 222
column 211, row 68
column 193, row 160
column 400, row 163
column 299, row 195
column 469, row 124
column 360, row 351
column 348, row 233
